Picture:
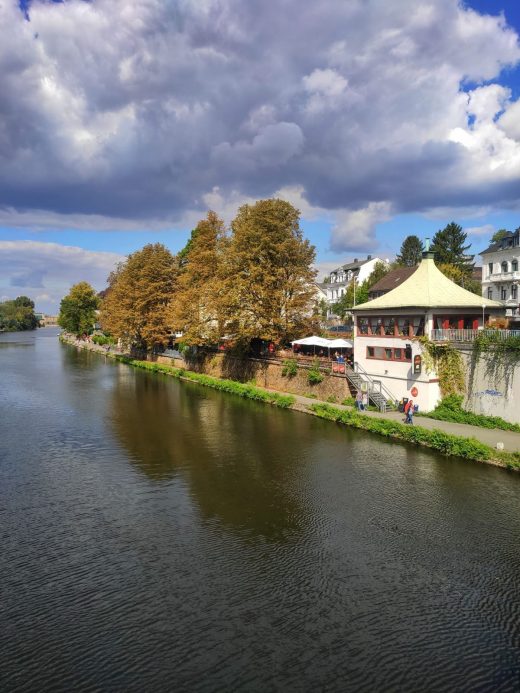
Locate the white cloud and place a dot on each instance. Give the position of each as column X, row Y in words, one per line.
column 46, row 271
column 485, row 230
column 117, row 114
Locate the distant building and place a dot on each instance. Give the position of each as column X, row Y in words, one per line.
column 500, row 276
column 390, row 281
column 341, row 277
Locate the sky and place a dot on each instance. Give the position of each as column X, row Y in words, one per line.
column 122, row 122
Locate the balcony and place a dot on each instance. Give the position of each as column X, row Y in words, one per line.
column 452, row 335
column 504, row 277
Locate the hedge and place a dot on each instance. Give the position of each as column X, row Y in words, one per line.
column 450, row 409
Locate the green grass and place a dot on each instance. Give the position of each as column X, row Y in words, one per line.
column 241, row 389
column 450, row 409
column 447, row 444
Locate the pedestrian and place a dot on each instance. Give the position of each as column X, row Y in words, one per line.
column 409, row 409
column 359, row 400
column 364, row 401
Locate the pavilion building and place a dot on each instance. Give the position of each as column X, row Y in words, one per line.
column 387, row 349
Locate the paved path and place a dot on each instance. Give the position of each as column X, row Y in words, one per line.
column 489, row 436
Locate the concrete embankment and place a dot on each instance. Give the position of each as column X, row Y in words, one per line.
column 460, row 440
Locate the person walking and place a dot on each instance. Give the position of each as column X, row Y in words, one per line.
column 409, row 412
column 359, row 401
column 364, row 401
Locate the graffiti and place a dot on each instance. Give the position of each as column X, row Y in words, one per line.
column 491, row 393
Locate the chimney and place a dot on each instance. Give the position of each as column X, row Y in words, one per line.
column 355, row 259
column 427, row 253
column 369, row 257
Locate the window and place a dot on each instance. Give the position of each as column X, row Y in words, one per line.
column 504, row 266
column 403, row 327
column 503, row 294
column 389, row 354
column 490, row 268
column 490, row 294
column 389, row 324
column 514, row 291
column 363, row 325
column 514, row 266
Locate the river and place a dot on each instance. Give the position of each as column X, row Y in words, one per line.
column 160, row 536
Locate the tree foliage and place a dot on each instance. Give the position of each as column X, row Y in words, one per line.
column 448, row 246
column 198, row 306
column 410, row 253
column 499, row 235
column 17, row 315
column 136, row 308
column 268, row 289
column 461, row 277
column 78, row 309
column 356, row 293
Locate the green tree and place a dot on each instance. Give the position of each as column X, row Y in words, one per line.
column 78, row 309
column 448, row 246
column 461, row 277
column 410, row 253
column 358, row 293
column 18, row 314
column 197, row 308
column 137, row 308
column 269, row 280
column 499, row 235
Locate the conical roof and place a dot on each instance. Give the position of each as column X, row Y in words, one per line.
column 428, row 287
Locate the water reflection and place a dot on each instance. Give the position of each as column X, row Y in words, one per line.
column 234, row 464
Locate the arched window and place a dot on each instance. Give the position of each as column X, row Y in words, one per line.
column 504, row 266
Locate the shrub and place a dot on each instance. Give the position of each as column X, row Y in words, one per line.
column 450, row 409
column 332, row 399
column 289, row 367
column 314, row 375
column 349, row 402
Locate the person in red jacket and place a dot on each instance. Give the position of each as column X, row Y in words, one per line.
column 409, row 411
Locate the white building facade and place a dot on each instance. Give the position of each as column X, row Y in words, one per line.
column 341, row 277
column 500, row 272
column 387, row 346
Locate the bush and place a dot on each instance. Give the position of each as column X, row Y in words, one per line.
column 314, row 375
column 450, row 409
column 102, row 340
column 332, row 399
column 349, row 402
column 289, row 367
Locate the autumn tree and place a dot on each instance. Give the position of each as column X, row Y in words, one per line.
column 410, row 253
column 448, row 246
column 136, row 308
column 78, row 309
column 269, row 291
column 197, row 309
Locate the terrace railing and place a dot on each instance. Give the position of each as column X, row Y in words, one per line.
column 452, row 335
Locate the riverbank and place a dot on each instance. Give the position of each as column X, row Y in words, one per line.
column 472, row 444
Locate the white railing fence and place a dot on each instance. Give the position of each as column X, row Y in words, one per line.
column 452, row 335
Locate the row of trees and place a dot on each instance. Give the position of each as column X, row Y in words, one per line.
column 17, row 315
column 254, row 280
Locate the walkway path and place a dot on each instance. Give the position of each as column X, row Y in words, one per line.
column 489, row 436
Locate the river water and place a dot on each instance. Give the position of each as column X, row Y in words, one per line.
column 160, row 536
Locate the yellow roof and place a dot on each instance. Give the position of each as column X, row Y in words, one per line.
column 428, row 287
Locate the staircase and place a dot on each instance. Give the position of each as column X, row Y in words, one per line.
column 378, row 394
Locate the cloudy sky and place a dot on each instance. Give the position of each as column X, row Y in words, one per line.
column 123, row 121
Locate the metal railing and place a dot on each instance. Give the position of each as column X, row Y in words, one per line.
column 377, row 385
column 452, row 335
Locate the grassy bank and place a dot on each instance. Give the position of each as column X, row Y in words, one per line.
column 445, row 443
column 241, row 389
column 450, row 409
